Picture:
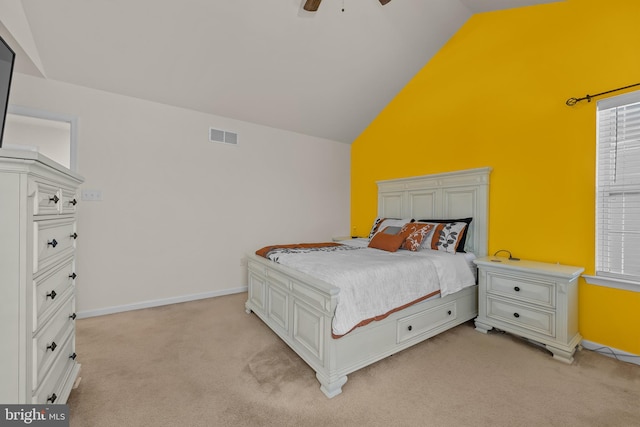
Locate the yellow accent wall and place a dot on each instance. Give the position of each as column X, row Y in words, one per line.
column 495, row 96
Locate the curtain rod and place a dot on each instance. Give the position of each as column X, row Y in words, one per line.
column 573, row 101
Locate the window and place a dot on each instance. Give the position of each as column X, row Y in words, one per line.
column 618, row 192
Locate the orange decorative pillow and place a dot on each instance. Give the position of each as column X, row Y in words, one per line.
column 386, row 242
column 414, row 233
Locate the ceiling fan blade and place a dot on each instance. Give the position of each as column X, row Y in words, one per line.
column 383, row 2
column 312, row 5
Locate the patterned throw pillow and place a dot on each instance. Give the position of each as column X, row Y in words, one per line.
column 447, row 236
column 374, row 228
column 463, row 239
column 414, row 233
column 426, row 242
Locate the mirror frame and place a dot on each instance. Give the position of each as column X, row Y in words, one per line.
column 58, row 117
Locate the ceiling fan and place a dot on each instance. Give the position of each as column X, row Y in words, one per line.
column 312, row 5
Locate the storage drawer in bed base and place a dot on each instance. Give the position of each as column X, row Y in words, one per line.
column 426, row 320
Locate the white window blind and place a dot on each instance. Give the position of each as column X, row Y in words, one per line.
column 618, row 188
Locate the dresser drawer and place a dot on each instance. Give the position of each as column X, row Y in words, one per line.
column 533, row 290
column 411, row 326
column 527, row 317
column 68, row 200
column 51, row 289
column 52, row 241
column 47, row 198
column 52, row 386
column 50, row 342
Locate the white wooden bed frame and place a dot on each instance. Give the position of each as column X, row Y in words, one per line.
column 299, row 308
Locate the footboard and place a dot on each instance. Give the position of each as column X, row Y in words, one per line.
column 295, row 306
column 299, row 309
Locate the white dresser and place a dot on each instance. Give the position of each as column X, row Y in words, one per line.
column 38, row 200
column 535, row 300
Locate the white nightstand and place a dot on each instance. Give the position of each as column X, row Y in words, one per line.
column 535, row 300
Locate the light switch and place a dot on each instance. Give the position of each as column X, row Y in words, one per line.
column 92, row 195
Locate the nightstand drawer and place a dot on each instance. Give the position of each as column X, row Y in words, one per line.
column 539, row 321
column 522, row 288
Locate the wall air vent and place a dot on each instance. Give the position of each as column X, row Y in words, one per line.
column 217, row 135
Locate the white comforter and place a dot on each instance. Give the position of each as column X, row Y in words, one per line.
column 373, row 282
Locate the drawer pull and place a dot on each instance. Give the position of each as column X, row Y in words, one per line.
column 53, row 346
column 73, row 202
column 54, row 199
column 52, row 398
column 410, row 327
column 449, row 312
column 74, row 236
column 52, row 295
column 516, row 315
column 53, row 243
column 73, row 356
column 73, row 275
column 73, row 316
column 517, row 289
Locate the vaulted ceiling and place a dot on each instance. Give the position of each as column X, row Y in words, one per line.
column 326, row 73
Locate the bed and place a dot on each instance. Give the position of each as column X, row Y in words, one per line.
column 300, row 307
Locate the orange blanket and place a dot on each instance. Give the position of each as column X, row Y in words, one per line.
column 265, row 251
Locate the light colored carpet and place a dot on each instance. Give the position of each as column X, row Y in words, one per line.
column 208, row 363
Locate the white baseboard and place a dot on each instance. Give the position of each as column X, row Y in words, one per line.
column 611, row 352
column 158, row 302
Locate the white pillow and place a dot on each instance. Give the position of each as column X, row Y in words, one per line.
column 382, row 223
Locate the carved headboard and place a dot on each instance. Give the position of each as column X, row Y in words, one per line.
column 449, row 195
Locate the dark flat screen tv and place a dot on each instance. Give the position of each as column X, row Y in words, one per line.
column 7, row 58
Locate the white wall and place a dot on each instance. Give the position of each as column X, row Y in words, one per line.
column 179, row 212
